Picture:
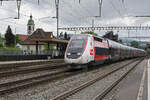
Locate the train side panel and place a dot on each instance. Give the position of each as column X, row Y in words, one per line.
column 101, row 50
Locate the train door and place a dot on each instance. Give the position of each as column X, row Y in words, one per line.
column 91, row 46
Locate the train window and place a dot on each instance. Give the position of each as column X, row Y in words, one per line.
column 98, row 39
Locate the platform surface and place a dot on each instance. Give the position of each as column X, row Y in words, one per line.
column 136, row 86
column 26, row 61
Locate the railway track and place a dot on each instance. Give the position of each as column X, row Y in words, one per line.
column 5, row 66
column 14, row 86
column 27, row 70
column 67, row 94
column 105, row 92
column 9, row 87
column 21, row 84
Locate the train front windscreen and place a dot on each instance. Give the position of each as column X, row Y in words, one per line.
column 76, row 46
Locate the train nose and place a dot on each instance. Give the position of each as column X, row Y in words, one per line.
column 73, row 55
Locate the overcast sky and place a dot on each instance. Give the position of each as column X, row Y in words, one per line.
column 114, row 13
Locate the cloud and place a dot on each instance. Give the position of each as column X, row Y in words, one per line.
column 71, row 13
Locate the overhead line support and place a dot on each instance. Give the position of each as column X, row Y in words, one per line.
column 18, row 7
column 100, row 7
column 106, row 28
column 57, row 15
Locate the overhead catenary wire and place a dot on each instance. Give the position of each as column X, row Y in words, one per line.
column 118, row 11
column 19, row 4
column 77, row 11
column 74, row 15
column 123, row 5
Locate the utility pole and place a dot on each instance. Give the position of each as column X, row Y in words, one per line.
column 92, row 25
column 1, row 2
column 18, row 7
column 38, row 2
column 128, row 36
column 100, row 6
column 57, row 16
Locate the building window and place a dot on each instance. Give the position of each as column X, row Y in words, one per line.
column 29, row 27
column 28, row 47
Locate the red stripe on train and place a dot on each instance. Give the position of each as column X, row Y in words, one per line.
column 101, row 57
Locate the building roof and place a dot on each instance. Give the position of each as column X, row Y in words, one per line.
column 40, row 33
column 22, row 37
column 41, row 36
column 30, row 42
column 26, row 41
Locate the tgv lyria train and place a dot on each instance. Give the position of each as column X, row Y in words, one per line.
column 86, row 49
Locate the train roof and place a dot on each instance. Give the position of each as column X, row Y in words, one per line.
column 115, row 44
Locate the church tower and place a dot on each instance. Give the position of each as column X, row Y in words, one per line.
column 30, row 25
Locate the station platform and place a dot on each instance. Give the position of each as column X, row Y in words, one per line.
column 29, row 61
column 136, row 86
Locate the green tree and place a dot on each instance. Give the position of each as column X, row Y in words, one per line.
column 9, row 37
column 17, row 39
column 0, row 36
column 120, row 41
column 1, row 41
column 89, row 32
column 135, row 44
column 148, row 51
column 65, row 36
column 1, row 45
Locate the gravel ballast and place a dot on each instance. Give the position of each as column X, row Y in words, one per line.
column 52, row 89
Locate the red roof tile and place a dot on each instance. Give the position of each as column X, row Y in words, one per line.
column 23, row 36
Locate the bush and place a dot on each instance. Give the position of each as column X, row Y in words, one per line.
column 148, row 51
column 10, row 48
column 1, row 45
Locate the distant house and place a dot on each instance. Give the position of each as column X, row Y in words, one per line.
column 29, row 46
column 22, row 37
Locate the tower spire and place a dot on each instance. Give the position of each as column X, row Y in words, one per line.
column 30, row 25
column 30, row 16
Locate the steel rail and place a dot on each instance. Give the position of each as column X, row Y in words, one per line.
column 37, row 81
column 102, row 95
column 14, row 86
column 25, row 64
column 81, row 87
column 9, row 84
column 30, row 70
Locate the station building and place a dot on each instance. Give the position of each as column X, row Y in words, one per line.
column 41, row 42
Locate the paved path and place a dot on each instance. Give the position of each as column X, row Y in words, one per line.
column 136, row 85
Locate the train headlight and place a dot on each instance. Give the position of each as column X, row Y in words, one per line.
column 68, row 54
column 78, row 54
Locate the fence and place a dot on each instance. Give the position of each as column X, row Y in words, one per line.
column 7, row 55
column 23, row 52
column 11, row 52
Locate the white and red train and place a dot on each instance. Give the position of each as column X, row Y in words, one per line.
column 86, row 49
